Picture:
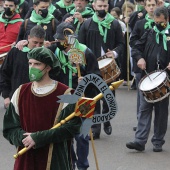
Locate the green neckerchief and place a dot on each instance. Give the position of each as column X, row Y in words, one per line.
column 51, row 8
column 36, row 18
column 80, row 46
column 65, row 64
column 87, row 11
column 25, row 49
column 163, row 34
column 149, row 22
column 62, row 5
column 21, row 2
column 140, row 7
column 106, row 23
column 166, row 4
column 6, row 21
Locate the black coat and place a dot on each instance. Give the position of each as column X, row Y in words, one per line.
column 14, row 72
column 90, row 36
column 148, row 49
column 50, row 30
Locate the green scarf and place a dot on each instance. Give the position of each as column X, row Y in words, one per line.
column 149, row 22
column 106, row 23
column 163, row 34
column 51, row 8
column 21, row 2
column 6, row 21
column 166, row 4
column 61, row 5
column 36, row 18
column 87, row 11
column 65, row 64
column 140, row 7
column 80, row 46
column 25, row 49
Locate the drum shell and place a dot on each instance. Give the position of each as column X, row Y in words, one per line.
column 110, row 72
column 156, row 94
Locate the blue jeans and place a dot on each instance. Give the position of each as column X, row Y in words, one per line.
column 82, row 151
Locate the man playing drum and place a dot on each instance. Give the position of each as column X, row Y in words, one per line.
column 103, row 35
column 152, row 53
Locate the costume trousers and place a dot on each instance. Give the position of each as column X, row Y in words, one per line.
column 96, row 128
column 82, row 151
column 145, row 117
column 138, row 78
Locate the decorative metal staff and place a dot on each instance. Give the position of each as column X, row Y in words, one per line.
column 84, row 108
column 75, row 55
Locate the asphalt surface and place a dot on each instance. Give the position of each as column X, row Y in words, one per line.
column 111, row 151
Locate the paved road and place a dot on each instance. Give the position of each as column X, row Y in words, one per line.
column 111, row 151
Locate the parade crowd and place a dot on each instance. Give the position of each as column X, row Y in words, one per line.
column 38, row 42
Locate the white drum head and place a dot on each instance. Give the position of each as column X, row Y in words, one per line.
column 104, row 62
column 147, row 84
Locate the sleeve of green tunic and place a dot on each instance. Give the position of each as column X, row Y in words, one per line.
column 60, row 134
column 12, row 130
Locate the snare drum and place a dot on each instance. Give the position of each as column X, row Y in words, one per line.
column 156, row 89
column 2, row 57
column 109, row 69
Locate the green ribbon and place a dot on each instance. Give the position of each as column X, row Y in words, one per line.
column 87, row 11
column 106, row 23
column 51, row 8
column 163, row 34
column 62, row 5
column 149, row 22
column 36, row 18
column 25, row 49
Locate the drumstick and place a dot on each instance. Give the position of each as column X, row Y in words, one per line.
column 6, row 46
column 160, row 73
column 52, row 42
column 148, row 75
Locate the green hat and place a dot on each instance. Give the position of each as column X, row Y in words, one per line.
column 45, row 56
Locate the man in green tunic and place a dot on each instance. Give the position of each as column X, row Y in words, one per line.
column 32, row 113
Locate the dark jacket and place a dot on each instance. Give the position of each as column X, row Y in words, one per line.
column 152, row 52
column 90, row 36
column 50, row 29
